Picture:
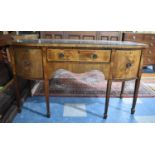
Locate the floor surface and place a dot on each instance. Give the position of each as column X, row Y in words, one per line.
column 86, row 110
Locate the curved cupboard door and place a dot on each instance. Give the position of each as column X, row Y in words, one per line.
column 28, row 63
column 125, row 64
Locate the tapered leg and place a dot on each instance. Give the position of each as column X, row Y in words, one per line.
column 109, row 83
column 46, row 85
column 122, row 89
column 137, row 84
column 17, row 93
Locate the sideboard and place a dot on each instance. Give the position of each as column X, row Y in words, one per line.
column 39, row 59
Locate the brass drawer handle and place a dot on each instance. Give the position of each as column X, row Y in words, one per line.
column 94, row 56
column 26, row 63
column 128, row 65
column 61, row 55
column 151, row 44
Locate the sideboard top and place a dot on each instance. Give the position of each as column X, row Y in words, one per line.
column 79, row 43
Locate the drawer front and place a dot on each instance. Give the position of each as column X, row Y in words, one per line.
column 28, row 63
column 134, row 37
column 52, row 34
column 125, row 64
column 151, row 44
column 148, row 60
column 111, row 35
column 149, row 37
column 94, row 55
column 78, row 35
column 62, row 55
column 150, row 52
column 78, row 55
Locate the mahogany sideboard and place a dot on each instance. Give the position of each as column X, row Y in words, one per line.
column 39, row 59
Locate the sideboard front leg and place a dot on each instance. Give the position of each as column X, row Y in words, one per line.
column 46, row 86
column 122, row 89
column 109, row 83
column 46, row 81
column 137, row 84
column 15, row 77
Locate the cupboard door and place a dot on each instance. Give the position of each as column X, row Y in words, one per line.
column 125, row 64
column 28, row 63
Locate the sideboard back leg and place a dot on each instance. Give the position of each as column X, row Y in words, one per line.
column 137, row 84
column 109, row 83
column 122, row 89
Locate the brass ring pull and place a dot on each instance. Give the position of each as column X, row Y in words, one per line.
column 61, row 55
column 94, row 56
column 128, row 65
column 26, row 63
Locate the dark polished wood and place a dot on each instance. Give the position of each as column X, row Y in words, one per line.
column 46, row 80
column 119, row 61
column 109, row 35
column 109, row 83
column 122, row 89
column 149, row 53
column 18, row 97
column 82, row 35
column 52, row 34
column 137, row 84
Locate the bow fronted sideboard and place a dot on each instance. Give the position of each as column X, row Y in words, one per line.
column 39, row 59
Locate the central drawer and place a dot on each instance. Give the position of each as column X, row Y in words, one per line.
column 78, row 55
